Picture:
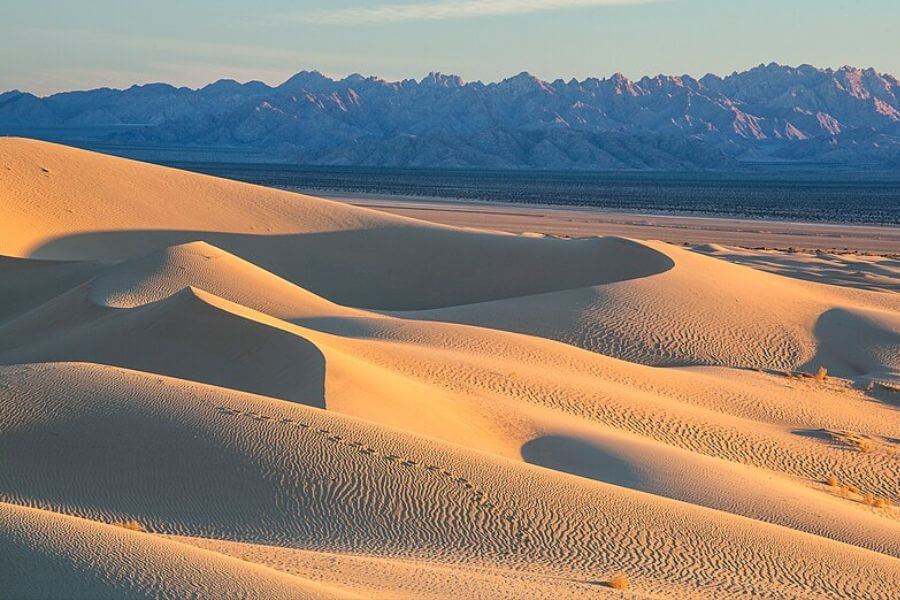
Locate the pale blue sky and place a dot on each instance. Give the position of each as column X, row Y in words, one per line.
column 50, row 45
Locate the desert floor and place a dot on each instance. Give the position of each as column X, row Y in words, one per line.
column 675, row 229
column 213, row 389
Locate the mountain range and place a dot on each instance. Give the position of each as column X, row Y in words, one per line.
column 768, row 114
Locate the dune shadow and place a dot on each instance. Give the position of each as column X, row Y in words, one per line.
column 852, row 343
column 577, row 457
column 27, row 283
column 152, row 457
column 815, row 434
column 886, row 395
column 399, row 267
column 183, row 337
column 873, row 276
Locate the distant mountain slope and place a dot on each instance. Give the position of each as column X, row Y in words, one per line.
column 770, row 113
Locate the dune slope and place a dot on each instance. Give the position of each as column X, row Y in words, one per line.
column 46, row 554
column 304, row 399
column 705, row 311
column 274, row 473
column 72, row 204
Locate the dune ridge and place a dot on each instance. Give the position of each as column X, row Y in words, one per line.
column 50, row 555
column 360, row 404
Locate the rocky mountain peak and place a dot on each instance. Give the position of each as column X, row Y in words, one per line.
column 438, row 79
column 771, row 112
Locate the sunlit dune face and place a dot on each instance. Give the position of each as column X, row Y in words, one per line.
column 208, row 388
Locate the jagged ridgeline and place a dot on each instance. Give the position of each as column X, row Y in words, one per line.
column 770, row 113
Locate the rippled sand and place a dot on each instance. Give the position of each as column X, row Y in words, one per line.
column 285, row 396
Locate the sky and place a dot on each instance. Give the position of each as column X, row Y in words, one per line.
column 54, row 45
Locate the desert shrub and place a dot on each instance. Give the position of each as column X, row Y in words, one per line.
column 855, row 440
column 877, row 501
column 131, row 525
column 864, row 445
column 619, row 582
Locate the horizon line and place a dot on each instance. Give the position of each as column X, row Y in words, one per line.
column 464, row 82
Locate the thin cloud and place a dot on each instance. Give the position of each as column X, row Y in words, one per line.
column 445, row 10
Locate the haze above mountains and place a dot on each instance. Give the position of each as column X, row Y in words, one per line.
column 769, row 114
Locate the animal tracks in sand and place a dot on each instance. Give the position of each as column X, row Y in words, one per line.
column 477, row 496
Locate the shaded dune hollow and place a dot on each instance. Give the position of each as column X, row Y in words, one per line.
column 213, row 389
column 415, row 268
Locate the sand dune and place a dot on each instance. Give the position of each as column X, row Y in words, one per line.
column 377, row 577
column 356, row 404
column 191, row 338
column 46, row 554
column 63, row 204
column 26, row 283
column 864, row 271
column 164, row 273
column 708, row 312
column 394, row 494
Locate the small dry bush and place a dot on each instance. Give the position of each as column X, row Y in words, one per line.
column 619, row 582
column 862, row 444
column 868, row 498
column 846, row 490
column 877, row 501
column 131, row 525
column 855, row 440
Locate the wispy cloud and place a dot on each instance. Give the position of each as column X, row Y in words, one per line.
column 445, row 10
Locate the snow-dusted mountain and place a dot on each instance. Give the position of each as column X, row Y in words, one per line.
column 769, row 113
